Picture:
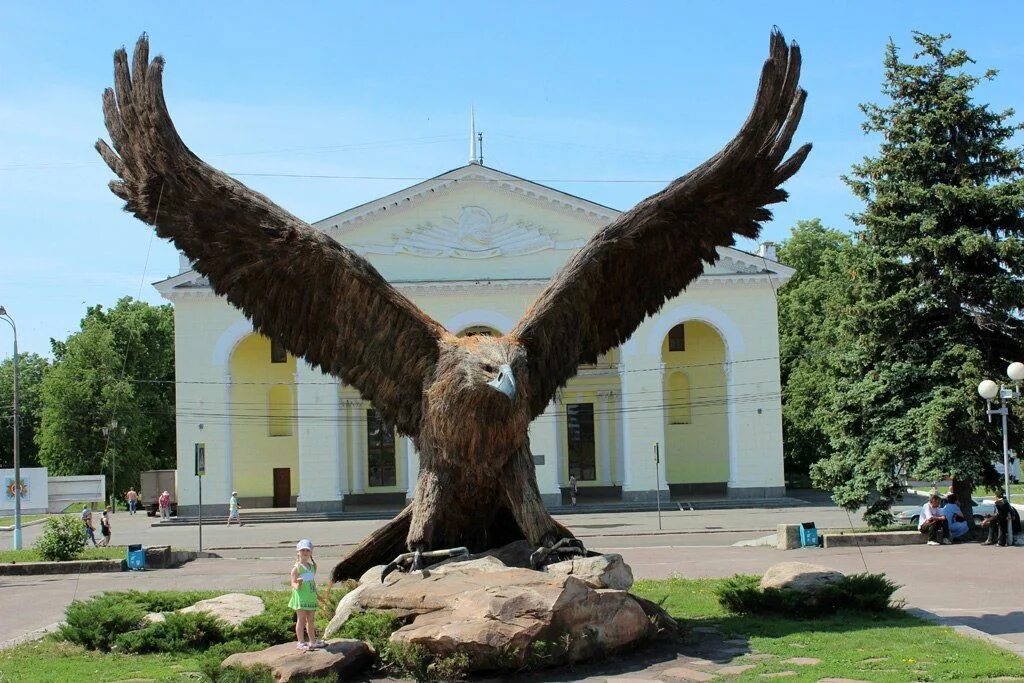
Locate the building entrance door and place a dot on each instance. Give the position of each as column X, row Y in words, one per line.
column 282, row 487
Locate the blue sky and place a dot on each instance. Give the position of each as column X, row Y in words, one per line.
column 564, row 92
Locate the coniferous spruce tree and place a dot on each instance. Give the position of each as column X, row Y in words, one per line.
column 939, row 287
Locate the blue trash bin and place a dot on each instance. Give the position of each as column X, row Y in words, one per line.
column 136, row 557
column 808, row 535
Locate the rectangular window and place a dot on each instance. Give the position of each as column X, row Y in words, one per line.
column 380, row 450
column 677, row 338
column 277, row 352
column 579, row 420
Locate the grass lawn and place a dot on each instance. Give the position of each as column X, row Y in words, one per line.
column 9, row 521
column 114, row 552
column 874, row 647
column 878, row 648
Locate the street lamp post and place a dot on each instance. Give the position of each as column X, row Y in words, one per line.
column 109, row 432
column 17, row 456
column 990, row 391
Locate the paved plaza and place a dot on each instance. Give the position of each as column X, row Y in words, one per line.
column 957, row 583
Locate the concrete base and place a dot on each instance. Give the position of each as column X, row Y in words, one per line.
column 870, row 538
column 551, row 500
column 218, row 511
column 681, row 491
column 753, row 492
column 788, row 537
column 649, row 496
column 355, row 500
column 319, row 506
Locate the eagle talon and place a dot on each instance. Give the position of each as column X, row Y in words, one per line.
column 562, row 549
column 415, row 560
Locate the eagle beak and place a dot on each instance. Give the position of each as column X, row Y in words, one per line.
column 505, row 382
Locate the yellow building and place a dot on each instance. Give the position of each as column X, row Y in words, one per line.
column 473, row 248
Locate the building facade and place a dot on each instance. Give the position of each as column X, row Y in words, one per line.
column 473, row 248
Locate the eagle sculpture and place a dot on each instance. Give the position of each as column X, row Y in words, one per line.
column 465, row 402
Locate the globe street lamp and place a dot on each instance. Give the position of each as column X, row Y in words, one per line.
column 991, row 391
column 17, row 457
column 108, row 433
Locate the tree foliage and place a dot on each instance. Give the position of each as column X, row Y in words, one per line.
column 120, row 365
column 31, row 370
column 935, row 305
column 809, row 302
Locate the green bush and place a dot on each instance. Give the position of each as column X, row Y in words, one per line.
column 95, row 624
column 180, row 633
column 62, row 539
column 165, row 601
column 273, row 627
column 742, row 594
column 373, row 627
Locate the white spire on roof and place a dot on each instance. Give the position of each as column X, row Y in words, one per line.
column 473, row 158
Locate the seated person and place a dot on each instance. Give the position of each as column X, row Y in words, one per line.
column 997, row 523
column 933, row 523
column 955, row 519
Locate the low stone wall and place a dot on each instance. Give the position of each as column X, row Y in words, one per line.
column 874, row 538
column 157, row 557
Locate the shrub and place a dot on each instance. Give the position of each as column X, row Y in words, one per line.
column 62, row 539
column 373, row 627
column 191, row 632
column 165, row 601
column 94, row 624
column 742, row 594
column 273, row 627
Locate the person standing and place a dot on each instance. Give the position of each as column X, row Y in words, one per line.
column 133, row 500
column 233, row 509
column 105, row 527
column 164, row 503
column 304, row 597
column 572, row 488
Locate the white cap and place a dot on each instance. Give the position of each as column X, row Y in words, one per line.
column 304, row 544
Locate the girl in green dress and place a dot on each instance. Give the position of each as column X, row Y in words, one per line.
column 304, row 599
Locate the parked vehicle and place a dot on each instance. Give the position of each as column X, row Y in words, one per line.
column 155, row 482
column 910, row 514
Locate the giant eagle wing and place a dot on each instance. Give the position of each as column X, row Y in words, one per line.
column 631, row 267
column 323, row 302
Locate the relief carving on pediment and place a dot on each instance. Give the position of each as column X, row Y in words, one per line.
column 474, row 234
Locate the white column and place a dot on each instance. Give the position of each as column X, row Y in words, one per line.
column 543, row 440
column 561, row 463
column 359, row 443
column 643, row 424
column 620, row 444
column 319, row 457
column 340, row 412
column 412, row 466
column 229, row 463
column 604, row 443
column 730, row 401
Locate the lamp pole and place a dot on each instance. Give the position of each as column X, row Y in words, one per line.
column 109, row 432
column 17, row 455
column 989, row 390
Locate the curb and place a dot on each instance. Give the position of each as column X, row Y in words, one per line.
column 34, row 522
column 37, row 634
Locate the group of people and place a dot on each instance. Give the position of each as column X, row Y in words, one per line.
column 943, row 521
column 90, row 527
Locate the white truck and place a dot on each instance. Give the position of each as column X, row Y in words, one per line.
column 155, row 482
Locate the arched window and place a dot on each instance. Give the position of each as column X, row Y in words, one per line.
column 677, row 338
column 279, row 410
column 380, row 450
column 677, row 399
column 482, row 330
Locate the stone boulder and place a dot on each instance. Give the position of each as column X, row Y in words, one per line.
column 799, row 576
column 234, row 608
column 500, row 616
column 340, row 658
column 598, row 571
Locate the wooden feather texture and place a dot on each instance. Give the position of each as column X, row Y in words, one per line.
column 322, row 301
column 651, row 253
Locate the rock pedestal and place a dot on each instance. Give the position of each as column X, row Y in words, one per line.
column 340, row 657
column 504, row 617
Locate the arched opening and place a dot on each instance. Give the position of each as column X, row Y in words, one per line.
column 264, row 441
column 480, row 330
column 696, row 410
